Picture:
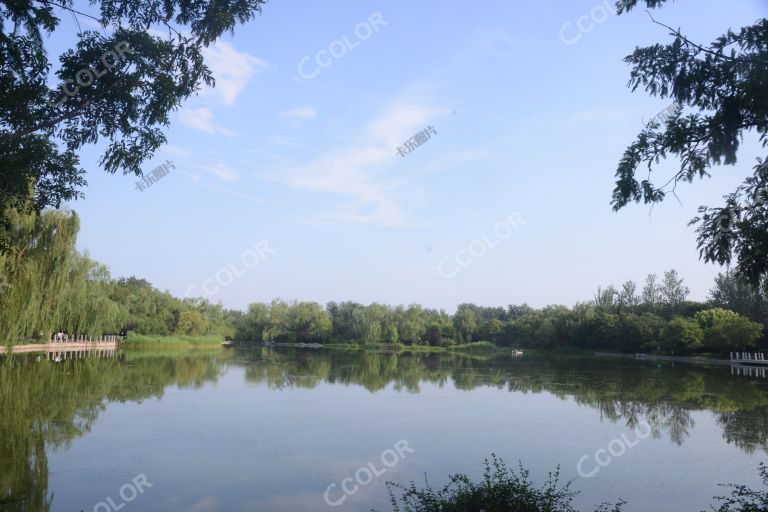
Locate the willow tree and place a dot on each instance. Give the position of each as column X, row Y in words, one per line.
column 85, row 306
column 34, row 266
column 47, row 285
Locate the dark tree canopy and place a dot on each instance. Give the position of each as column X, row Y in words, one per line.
column 137, row 77
column 721, row 93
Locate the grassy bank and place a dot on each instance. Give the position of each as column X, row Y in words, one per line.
column 480, row 346
column 141, row 341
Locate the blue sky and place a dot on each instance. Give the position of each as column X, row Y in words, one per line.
column 525, row 123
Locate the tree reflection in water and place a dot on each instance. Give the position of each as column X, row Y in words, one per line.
column 620, row 390
column 45, row 406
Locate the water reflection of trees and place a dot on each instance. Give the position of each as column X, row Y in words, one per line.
column 43, row 405
column 664, row 396
column 746, row 428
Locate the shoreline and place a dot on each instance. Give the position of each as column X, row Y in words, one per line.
column 387, row 347
column 677, row 359
column 61, row 346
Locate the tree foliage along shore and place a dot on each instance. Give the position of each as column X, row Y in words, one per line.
column 721, row 94
column 47, row 286
column 687, row 328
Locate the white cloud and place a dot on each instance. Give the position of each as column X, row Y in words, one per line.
column 277, row 140
column 192, row 176
column 300, row 114
column 231, row 69
column 221, row 171
column 452, row 160
column 176, row 151
column 603, row 118
column 236, row 194
column 202, row 119
column 207, row 504
column 401, row 121
column 355, row 172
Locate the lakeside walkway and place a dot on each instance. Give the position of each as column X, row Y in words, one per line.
column 68, row 349
column 742, row 361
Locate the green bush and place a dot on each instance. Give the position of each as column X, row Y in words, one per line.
column 726, row 330
column 191, row 323
column 141, row 339
column 505, row 490
column 682, row 335
column 478, row 345
column 501, row 490
column 744, row 499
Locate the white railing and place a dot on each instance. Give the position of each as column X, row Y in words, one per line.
column 82, row 338
column 748, row 356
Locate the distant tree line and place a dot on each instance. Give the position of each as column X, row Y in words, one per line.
column 655, row 318
column 46, row 286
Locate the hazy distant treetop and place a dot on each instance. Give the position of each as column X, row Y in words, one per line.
column 720, row 91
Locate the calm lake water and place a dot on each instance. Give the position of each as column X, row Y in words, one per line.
column 272, row 429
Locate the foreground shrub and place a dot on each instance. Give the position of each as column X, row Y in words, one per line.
column 501, row 490
column 505, row 490
column 743, row 499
